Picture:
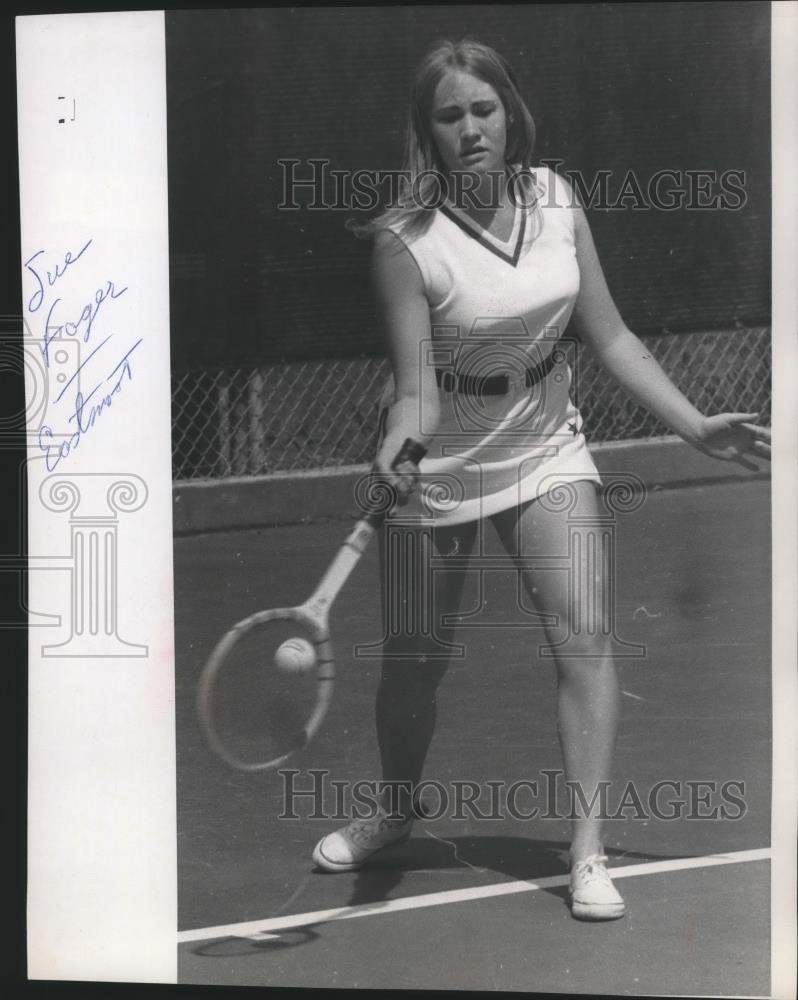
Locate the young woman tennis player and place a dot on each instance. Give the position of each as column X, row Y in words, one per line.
column 474, row 289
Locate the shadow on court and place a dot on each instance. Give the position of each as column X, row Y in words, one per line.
column 498, row 857
column 514, row 858
column 525, row 942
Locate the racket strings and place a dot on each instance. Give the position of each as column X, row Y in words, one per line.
column 259, row 711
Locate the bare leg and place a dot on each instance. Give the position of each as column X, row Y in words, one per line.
column 587, row 685
column 406, row 698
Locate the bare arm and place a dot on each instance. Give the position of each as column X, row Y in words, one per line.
column 403, row 312
column 729, row 436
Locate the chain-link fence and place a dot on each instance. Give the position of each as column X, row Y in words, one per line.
column 323, row 414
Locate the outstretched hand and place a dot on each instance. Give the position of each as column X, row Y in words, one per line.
column 733, row 437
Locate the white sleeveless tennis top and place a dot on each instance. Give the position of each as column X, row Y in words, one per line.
column 498, row 309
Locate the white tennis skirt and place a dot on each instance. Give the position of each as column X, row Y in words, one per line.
column 487, row 456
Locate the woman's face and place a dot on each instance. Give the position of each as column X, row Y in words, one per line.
column 468, row 124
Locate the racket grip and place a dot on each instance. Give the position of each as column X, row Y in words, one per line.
column 411, row 451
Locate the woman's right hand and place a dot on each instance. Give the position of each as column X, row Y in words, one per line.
column 400, row 471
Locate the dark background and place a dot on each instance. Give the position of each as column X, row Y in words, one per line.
column 617, row 87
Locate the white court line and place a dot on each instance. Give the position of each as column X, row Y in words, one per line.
column 251, row 927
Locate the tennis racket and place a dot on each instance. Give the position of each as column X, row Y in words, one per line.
column 286, row 706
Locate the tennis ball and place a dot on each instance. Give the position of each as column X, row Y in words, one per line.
column 295, row 656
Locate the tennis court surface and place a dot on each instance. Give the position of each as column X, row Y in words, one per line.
column 474, row 903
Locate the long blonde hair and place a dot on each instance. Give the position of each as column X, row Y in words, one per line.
column 422, row 168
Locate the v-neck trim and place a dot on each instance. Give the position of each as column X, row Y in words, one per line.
column 508, row 250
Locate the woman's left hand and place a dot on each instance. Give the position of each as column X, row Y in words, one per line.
column 733, row 437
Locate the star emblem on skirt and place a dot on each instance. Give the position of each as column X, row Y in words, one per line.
column 573, row 428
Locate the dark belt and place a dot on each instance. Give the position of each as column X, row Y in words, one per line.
column 496, row 385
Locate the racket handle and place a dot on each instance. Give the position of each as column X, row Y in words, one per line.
column 411, row 451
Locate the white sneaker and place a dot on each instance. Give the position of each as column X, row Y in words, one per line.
column 347, row 849
column 593, row 896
